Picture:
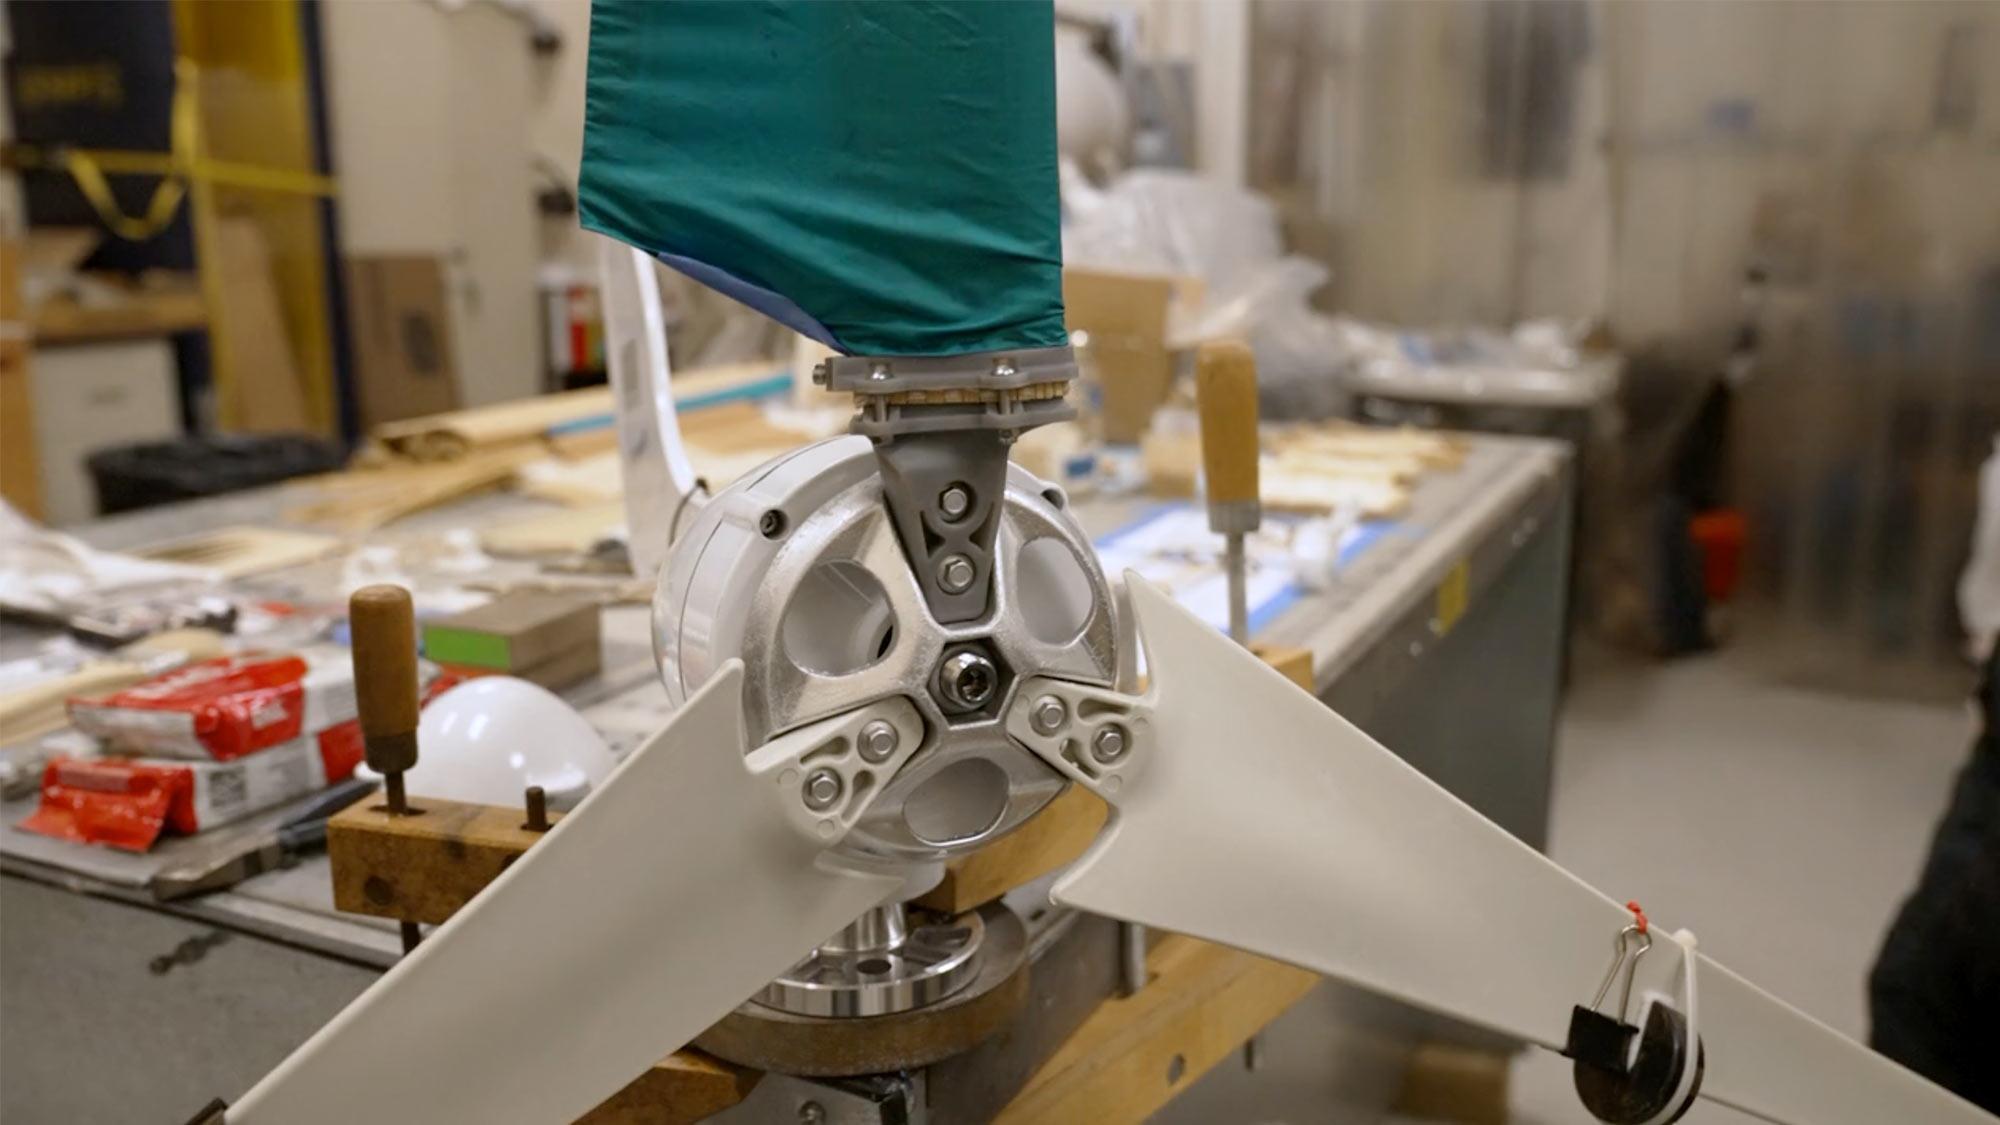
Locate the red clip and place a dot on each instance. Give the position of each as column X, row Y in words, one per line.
column 1638, row 914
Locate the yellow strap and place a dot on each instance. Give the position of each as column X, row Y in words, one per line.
column 89, row 168
column 160, row 211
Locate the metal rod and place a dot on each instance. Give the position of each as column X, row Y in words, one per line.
column 411, row 936
column 1239, row 590
column 538, row 809
column 1131, row 958
column 392, row 793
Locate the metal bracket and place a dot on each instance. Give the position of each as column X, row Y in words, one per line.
column 1094, row 736
column 827, row 774
column 941, row 427
column 874, row 1099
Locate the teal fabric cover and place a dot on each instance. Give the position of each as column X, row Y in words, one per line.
column 881, row 176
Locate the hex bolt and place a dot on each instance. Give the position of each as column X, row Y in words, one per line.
column 1049, row 714
column 822, row 789
column 955, row 574
column 954, row 502
column 1109, row 745
column 878, row 741
column 968, row 680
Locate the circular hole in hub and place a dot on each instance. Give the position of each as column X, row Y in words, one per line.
column 962, row 801
column 838, row 621
column 874, row 966
column 1055, row 591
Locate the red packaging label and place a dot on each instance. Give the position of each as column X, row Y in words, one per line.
column 224, row 708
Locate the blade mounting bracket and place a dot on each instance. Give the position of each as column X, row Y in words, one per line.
column 825, row 775
column 1094, row 736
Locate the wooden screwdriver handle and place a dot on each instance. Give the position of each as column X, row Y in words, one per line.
column 383, row 625
column 1225, row 384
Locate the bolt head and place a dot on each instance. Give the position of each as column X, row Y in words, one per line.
column 968, row 679
column 878, row 741
column 1110, row 744
column 954, row 502
column 822, row 789
column 1049, row 715
column 955, row 574
column 878, row 373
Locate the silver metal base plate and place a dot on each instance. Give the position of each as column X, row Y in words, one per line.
column 907, row 968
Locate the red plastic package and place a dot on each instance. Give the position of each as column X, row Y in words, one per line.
column 130, row 803
column 226, row 707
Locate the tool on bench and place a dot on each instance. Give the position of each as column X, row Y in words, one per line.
column 303, row 832
column 383, row 625
column 1225, row 381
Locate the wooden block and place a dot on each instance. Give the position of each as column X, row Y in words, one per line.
column 1134, row 1054
column 1052, row 838
column 515, row 632
column 685, row 1086
column 421, row 868
column 1296, row 663
column 1450, row 1082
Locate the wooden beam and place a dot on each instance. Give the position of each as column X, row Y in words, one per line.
column 684, row 1087
column 1135, row 1054
column 1050, row 839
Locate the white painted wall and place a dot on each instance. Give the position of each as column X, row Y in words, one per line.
column 430, row 108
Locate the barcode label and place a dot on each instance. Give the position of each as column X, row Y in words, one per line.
column 228, row 794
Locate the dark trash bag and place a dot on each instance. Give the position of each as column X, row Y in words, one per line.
column 140, row 476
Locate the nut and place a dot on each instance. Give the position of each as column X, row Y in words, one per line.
column 954, row 502
column 878, row 741
column 822, row 789
column 955, row 574
column 1109, row 745
column 1049, row 715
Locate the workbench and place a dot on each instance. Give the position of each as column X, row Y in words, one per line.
column 1443, row 639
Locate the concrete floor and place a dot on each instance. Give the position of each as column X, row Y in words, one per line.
column 1783, row 826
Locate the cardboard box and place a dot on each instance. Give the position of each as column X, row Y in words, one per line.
column 400, row 330
column 1129, row 317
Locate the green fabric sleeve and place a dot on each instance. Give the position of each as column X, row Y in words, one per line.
column 880, row 175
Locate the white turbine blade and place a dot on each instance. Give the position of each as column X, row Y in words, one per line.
column 669, row 896
column 1262, row 820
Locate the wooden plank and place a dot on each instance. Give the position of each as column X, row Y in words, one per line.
column 1134, row 1054
column 685, row 1086
column 242, row 550
column 263, row 391
column 1052, row 838
column 162, row 312
column 421, row 868
column 20, row 461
